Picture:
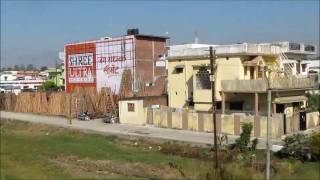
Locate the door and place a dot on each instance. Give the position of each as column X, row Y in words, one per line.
column 251, row 72
column 303, row 121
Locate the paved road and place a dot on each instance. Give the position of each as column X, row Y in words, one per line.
column 124, row 130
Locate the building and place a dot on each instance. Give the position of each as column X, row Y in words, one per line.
column 17, row 81
column 100, row 63
column 241, row 81
column 55, row 75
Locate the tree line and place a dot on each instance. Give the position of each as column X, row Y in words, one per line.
column 22, row 67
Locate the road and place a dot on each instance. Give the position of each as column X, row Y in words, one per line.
column 126, row 130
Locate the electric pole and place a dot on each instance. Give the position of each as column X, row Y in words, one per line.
column 213, row 73
column 268, row 128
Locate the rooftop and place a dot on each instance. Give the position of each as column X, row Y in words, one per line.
column 202, row 50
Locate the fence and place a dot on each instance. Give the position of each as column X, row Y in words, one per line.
column 228, row 124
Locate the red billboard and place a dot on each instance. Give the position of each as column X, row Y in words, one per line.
column 80, row 65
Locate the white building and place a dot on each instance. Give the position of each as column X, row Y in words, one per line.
column 14, row 81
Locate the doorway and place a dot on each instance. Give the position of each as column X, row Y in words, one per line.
column 303, row 120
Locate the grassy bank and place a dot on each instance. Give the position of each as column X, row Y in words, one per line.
column 34, row 151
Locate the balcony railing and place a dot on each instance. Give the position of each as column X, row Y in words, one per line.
column 261, row 85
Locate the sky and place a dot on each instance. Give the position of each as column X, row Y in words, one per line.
column 33, row 32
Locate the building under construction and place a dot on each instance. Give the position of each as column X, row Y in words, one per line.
column 101, row 63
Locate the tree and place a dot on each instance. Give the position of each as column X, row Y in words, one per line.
column 49, row 86
column 22, row 68
column 43, row 68
column 9, row 69
column 16, row 68
column 30, row 67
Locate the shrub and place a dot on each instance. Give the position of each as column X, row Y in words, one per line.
column 301, row 147
column 313, row 103
column 244, row 140
column 49, row 86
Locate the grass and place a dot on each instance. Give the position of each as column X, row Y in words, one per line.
column 35, row 151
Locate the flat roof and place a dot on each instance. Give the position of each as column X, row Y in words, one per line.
column 151, row 36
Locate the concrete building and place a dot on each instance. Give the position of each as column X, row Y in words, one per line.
column 55, row 75
column 241, row 81
column 100, row 63
column 17, row 81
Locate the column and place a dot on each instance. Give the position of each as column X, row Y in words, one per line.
column 223, row 103
column 256, row 104
column 256, row 72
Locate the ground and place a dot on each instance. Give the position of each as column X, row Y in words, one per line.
column 37, row 151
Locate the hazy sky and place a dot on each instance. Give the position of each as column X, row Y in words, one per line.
column 35, row 31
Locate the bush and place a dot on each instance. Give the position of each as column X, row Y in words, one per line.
column 299, row 146
column 313, row 103
column 244, row 140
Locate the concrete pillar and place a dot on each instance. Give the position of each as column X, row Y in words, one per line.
column 256, row 104
column 274, row 108
column 256, row 72
column 223, row 103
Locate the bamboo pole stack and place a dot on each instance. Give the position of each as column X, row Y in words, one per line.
column 58, row 103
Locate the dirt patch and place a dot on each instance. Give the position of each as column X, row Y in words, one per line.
column 102, row 168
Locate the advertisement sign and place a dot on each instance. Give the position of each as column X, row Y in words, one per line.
column 80, row 68
column 112, row 58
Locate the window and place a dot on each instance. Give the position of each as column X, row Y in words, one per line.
column 260, row 71
column 303, row 67
column 25, row 87
column 218, row 105
column 309, row 48
column 236, row 105
column 245, row 70
column 294, row 46
column 6, row 78
column 203, row 79
column 130, row 107
column 179, row 70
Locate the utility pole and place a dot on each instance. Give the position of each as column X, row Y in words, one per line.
column 56, row 73
column 268, row 128
column 213, row 73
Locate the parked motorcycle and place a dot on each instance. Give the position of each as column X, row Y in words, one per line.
column 84, row 116
column 111, row 118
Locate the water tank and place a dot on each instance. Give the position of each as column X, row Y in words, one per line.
column 132, row 31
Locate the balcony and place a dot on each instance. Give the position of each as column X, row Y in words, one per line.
column 261, row 85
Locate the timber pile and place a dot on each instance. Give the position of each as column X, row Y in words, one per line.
column 58, row 103
column 126, row 84
column 24, row 102
column 40, row 103
column 7, row 101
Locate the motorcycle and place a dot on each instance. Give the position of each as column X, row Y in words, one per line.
column 111, row 118
column 84, row 116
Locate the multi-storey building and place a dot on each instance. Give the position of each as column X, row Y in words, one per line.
column 243, row 74
column 101, row 63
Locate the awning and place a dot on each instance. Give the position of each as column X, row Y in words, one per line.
column 290, row 99
column 179, row 66
column 257, row 61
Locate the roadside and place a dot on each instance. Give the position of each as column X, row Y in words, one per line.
column 127, row 130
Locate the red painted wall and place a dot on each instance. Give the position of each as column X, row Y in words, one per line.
column 79, row 49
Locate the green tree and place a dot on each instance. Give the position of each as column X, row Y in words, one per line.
column 16, row 68
column 30, row 67
column 43, row 68
column 313, row 103
column 49, row 86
